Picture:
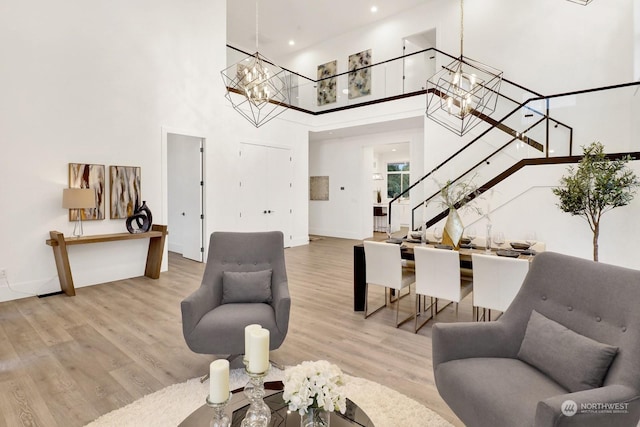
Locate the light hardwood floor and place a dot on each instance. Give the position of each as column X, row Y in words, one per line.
column 64, row 361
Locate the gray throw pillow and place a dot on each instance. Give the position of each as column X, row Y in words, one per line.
column 572, row 360
column 246, row 286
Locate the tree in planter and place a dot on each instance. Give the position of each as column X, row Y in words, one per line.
column 596, row 186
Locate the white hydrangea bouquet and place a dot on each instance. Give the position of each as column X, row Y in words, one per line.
column 317, row 384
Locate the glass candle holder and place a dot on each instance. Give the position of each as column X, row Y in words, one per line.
column 259, row 413
column 220, row 418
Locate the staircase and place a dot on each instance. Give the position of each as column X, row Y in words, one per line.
column 533, row 133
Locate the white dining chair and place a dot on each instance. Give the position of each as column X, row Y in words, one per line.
column 437, row 277
column 496, row 282
column 384, row 268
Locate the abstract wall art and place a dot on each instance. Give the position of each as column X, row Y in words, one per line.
column 327, row 85
column 360, row 77
column 125, row 190
column 319, row 188
column 83, row 175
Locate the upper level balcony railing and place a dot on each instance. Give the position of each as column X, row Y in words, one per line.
column 403, row 76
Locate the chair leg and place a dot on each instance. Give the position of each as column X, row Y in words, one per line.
column 366, row 302
column 398, row 323
column 417, row 327
column 398, row 296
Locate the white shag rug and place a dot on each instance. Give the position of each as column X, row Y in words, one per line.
column 171, row 405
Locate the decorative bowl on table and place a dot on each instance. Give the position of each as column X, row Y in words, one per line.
column 508, row 253
column 415, row 235
column 465, row 241
column 394, row 240
column 520, row 246
column 442, row 246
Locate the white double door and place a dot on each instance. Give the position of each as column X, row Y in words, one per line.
column 266, row 189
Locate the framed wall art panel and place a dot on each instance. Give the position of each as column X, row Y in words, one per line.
column 326, row 91
column 125, row 190
column 360, row 77
column 319, row 188
column 84, row 175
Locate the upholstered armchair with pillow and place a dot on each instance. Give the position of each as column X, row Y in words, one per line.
column 565, row 353
column 244, row 282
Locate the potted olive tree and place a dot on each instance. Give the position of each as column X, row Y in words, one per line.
column 597, row 185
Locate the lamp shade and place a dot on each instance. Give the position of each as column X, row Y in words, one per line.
column 78, row 198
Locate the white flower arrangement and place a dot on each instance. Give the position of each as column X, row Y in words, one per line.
column 314, row 385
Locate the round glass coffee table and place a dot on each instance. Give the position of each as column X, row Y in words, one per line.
column 280, row 415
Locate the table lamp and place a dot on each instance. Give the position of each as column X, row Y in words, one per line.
column 78, row 198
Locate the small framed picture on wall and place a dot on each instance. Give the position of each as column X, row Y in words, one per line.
column 124, row 184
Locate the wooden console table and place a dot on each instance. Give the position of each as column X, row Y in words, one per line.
column 59, row 244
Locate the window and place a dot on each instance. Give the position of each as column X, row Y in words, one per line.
column 397, row 178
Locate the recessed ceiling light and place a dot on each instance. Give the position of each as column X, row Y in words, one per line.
column 345, row 91
column 374, row 9
column 393, row 149
column 292, row 42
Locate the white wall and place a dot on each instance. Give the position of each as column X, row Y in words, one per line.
column 549, row 46
column 349, row 163
column 93, row 82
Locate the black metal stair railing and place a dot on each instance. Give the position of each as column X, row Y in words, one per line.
column 501, row 176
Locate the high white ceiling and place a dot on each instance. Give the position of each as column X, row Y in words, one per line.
column 307, row 22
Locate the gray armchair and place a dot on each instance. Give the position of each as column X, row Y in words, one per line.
column 244, row 282
column 490, row 377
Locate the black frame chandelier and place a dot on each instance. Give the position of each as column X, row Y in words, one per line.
column 464, row 92
column 257, row 88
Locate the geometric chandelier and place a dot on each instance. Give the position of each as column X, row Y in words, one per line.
column 256, row 87
column 464, row 92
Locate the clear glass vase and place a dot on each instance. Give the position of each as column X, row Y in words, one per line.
column 315, row 417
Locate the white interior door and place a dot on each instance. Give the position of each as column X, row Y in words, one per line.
column 253, row 195
column 185, row 195
column 265, row 189
column 192, row 199
column 279, row 182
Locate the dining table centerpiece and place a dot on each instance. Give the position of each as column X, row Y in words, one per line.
column 456, row 195
column 314, row 389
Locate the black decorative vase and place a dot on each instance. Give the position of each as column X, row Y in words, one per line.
column 141, row 218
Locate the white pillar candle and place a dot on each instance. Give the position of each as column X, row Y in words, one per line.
column 259, row 356
column 247, row 343
column 219, row 381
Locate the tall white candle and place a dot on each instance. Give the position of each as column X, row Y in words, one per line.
column 247, row 343
column 259, row 356
column 219, row 381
